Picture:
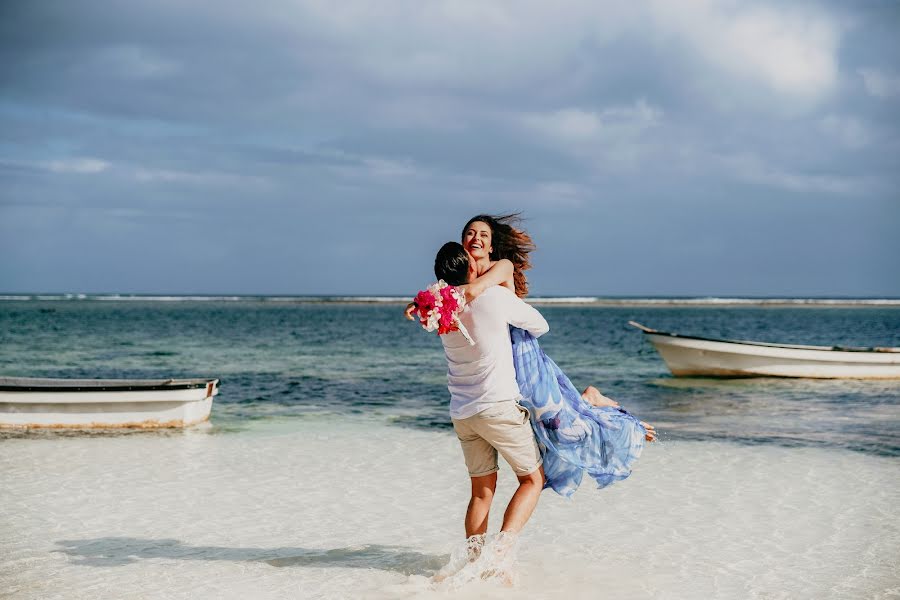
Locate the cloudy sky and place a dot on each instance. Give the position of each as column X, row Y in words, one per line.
column 692, row 147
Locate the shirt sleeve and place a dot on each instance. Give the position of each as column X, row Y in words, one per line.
column 524, row 316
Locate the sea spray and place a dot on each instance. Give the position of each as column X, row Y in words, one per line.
column 481, row 558
column 462, row 554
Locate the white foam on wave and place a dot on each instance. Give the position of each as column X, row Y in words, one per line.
column 568, row 300
column 718, row 301
column 350, row 509
column 121, row 298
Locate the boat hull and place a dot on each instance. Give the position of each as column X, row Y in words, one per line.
column 70, row 404
column 688, row 357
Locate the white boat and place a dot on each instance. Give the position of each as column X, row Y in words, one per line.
column 692, row 356
column 104, row 403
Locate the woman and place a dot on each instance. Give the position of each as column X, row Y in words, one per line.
column 576, row 432
column 502, row 259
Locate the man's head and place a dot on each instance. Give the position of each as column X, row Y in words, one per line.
column 452, row 264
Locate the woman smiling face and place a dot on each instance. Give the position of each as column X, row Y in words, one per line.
column 477, row 240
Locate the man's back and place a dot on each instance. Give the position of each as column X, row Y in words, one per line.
column 481, row 374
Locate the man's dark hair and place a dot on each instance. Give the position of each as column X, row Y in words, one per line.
column 452, row 264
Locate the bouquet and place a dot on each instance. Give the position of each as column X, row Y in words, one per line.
column 438, row 308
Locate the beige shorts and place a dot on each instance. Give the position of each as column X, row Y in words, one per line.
column 504, row 428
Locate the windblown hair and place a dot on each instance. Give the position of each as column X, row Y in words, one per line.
column 508, row 242
column 452, row 264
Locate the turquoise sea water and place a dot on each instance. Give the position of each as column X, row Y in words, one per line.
column 302, row 360
column 329, row 469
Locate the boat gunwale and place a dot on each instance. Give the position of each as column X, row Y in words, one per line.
column 855, row 349
column 7, row 384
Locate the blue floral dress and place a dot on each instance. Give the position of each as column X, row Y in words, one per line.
column 573, row 435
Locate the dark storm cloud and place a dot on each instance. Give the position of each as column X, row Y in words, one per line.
column 298, row 147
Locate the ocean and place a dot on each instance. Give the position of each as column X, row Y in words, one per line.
column 329, row 467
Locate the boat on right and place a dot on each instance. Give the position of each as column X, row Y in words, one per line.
column 694, row 356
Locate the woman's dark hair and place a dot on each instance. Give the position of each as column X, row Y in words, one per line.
column 452, row 264
column 508, row 242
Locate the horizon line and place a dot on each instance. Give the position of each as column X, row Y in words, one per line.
column 611, row 300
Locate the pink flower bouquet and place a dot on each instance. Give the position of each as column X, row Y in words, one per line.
column 438, row 308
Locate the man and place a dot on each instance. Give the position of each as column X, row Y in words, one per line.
column 484, row 407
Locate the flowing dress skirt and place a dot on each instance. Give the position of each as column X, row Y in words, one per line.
column 573, row 435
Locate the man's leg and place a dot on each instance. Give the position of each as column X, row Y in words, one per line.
column 483, row 488
column 480, row 504
column 481, row 461
column 522, row 504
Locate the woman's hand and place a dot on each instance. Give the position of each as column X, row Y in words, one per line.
column 472, row 290
column 410, row 309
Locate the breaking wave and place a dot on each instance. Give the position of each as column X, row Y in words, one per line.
column 544, row 300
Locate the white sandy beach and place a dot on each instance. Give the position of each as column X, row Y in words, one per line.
column 314, row 509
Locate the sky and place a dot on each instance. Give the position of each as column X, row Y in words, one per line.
column 686, row 148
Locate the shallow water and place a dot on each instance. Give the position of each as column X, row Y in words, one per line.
column 328, row 469
column 321, row 509
column 300, row 359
